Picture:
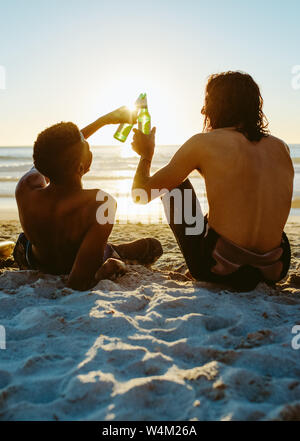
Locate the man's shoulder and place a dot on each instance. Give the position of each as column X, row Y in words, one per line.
column 32, row 180
column 199, row 142
column 217, row 138
column 200, row 137
column 279, row 142
column 204, row 139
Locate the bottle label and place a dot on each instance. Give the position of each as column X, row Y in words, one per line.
column 144, row 123
column 147, row 128
column 126, row 130
column 122, row 132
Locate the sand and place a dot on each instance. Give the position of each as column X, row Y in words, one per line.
column 149, row 345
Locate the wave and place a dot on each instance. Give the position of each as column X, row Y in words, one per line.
column 85, row 178
column 8, row 179
column 104, row 169
column 15, row 167
column 16, row 157
column 94, row 177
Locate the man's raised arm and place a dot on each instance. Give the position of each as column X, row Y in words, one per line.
column 185, row 160
column 121, row 115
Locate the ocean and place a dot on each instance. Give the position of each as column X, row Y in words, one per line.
column 112, row 170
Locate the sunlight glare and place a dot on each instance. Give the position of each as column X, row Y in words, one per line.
column 123, row 88
column 126, row 150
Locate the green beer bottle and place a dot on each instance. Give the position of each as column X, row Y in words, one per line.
column 144, row 118
column 124, row 129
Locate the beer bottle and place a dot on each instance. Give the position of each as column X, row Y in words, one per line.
column 124, row 129
column 144, row 118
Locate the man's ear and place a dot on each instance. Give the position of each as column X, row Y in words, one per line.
column 81, row 169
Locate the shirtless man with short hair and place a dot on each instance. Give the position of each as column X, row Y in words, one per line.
column 59, row 217
column 249, row 183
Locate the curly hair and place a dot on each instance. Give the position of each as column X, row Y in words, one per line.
column 233, row 99
column 56, row 151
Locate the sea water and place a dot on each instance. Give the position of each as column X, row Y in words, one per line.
column 112, row 170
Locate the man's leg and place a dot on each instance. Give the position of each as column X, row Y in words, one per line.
column 180, row 211
column 143, row 251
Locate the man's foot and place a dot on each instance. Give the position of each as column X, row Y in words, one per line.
column 111, row 269
column 142, row 251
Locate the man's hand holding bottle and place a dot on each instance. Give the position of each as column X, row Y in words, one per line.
column 144, row 145
column 122, row 115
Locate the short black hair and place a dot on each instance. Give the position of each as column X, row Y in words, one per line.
column 56, row 152
column 234, row 99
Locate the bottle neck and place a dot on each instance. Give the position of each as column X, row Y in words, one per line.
column 143, row 109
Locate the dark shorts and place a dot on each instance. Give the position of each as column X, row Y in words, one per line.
column 25, row 260
column 23, row 253
column 246, row 277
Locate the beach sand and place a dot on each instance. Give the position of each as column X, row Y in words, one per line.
column 149, row 345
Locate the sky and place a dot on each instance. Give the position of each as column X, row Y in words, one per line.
column 71, row 60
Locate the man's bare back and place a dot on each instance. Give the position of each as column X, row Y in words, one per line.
column 55, row 220
column 249, row 187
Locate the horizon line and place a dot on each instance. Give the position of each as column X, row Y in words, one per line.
column 92, row 145
column 115, row 145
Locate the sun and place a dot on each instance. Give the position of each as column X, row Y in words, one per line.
column 122, row 89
